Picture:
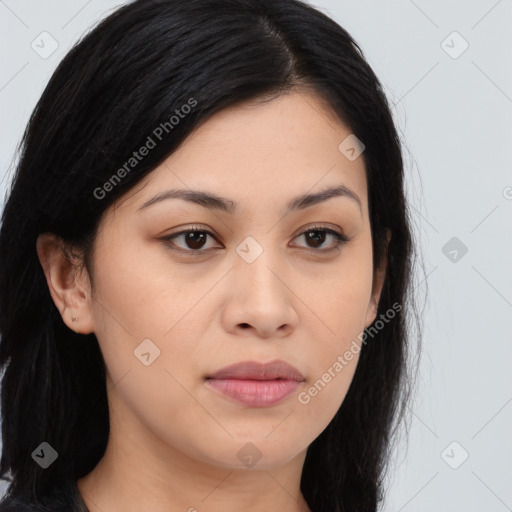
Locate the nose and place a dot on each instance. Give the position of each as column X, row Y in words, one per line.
column 260, row 299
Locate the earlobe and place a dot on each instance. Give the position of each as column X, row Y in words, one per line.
column 68, row 292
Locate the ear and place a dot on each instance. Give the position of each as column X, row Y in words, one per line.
column 69, row 290
column 378, row 282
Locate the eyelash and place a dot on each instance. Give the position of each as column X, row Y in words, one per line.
column 339, row 238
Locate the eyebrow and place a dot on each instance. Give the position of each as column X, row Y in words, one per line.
column 214, row 202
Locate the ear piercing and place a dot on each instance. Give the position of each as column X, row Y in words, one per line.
column 74, row 319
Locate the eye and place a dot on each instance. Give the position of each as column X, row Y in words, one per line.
column 194, row 239
column 316, row 235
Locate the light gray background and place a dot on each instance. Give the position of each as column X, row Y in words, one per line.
column 454, row 116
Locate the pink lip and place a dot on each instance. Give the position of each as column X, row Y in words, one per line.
column 255, row 384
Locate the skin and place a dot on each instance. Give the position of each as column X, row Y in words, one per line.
column 174, row 442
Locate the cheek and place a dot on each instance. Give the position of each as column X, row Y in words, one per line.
column 140, row 297
column 141, row 292
column 156, row 400
column 331, row 372
column 340, row 302
column 339, row 294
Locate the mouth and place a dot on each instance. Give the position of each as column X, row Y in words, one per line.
column 253, row 370
column 255, row 384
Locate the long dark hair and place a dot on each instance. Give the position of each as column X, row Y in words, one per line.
column 124, row 79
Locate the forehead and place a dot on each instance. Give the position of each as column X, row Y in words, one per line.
column 276, row 149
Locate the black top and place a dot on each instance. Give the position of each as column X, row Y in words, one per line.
column 65, row 499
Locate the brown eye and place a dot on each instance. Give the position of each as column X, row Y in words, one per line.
column 194, row 240
column 316, row 237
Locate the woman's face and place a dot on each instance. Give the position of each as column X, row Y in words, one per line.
column 257, row 283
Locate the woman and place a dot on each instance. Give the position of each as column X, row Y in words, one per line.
column 206, row 264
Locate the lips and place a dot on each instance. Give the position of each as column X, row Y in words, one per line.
column 252, row 370
column 255, row 384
